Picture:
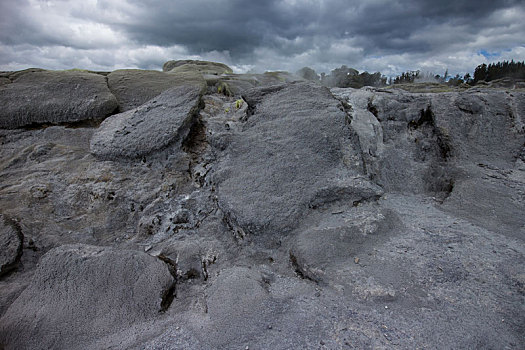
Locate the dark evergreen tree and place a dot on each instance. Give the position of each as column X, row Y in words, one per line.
column 480, row 73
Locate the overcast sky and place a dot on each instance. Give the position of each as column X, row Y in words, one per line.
column 390, row 36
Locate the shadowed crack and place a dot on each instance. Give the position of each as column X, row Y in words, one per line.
column 11, row 264
column 238, row 233
column 195, row 145
column 372, row 109
column 427, row 118
column 300, row 271
column 81, row 124
column 170, row 293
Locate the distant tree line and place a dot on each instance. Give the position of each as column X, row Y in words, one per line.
column 349, row 77
column 493, row 71
column 406, row 77
column 505, row 69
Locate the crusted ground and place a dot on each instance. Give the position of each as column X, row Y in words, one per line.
column 266, row 213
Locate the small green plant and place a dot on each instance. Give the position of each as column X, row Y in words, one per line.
column 239, row 103
column 224, row 89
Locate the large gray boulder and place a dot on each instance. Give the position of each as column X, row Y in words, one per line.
column 10, row 245
column 134, row 87
column 55, row 97
column 81, row 292
column 295, row 152
column 465, row 148
column 162, row 121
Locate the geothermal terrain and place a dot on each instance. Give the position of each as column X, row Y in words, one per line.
column 195, row 208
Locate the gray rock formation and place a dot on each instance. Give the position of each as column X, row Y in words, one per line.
column 54, row 97
column 151, row 127
column 11, row 245
column 134, row 87
column 267, row 182
column 81, row 292
column 445, row 144
column 289, row 216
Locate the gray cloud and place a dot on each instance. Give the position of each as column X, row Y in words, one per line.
column 386, row 35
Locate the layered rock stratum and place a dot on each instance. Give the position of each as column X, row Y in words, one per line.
column 195, row 208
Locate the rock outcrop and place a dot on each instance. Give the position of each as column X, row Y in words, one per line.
column 81, row 292
column 11, row 245
column 288, row 215
column 163, row 120
column 134, row 87
column 294, row 152
column 55, row 97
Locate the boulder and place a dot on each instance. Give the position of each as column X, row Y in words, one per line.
column 10, row 245
column 295, row 152
column 134, row 87
column 53, row 97
column 164, row 120
column 79, row 292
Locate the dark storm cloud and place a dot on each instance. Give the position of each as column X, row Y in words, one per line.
column 385, row 35
column 236, row 26
column 241, row 26
column 388, row 27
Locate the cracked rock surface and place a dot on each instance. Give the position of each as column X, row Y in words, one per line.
column 150, row 127
column 134, row 87
column 279, row 215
